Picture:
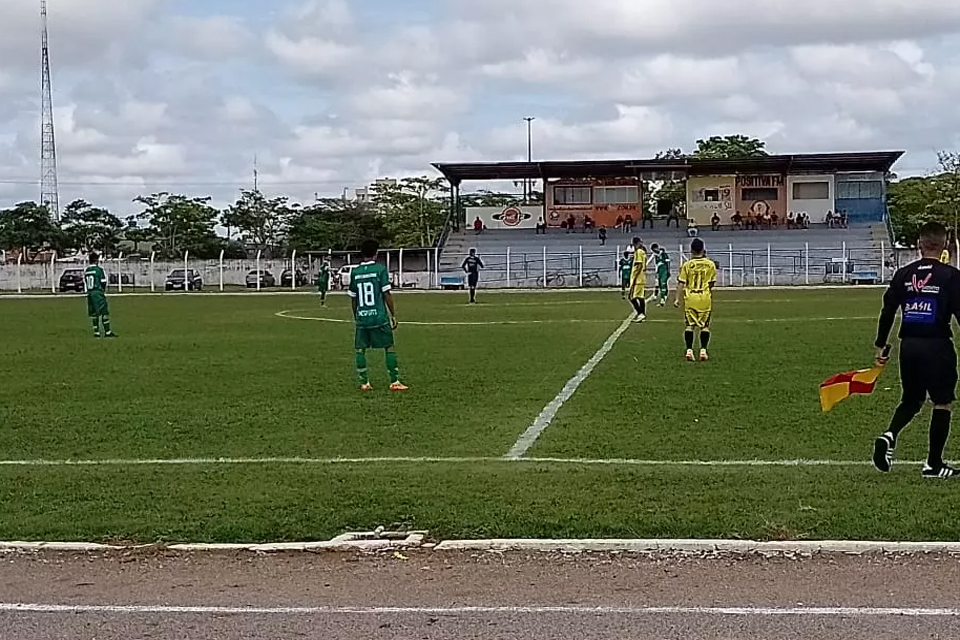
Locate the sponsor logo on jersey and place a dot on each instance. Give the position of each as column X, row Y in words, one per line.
column 920, row 310
column 919, row 285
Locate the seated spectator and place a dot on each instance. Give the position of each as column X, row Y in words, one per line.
column 791, row 222
column 541, row 226
column 619, row 225
column 829, row 219
column 715, row 222
column 843, row 219
column 737, row 220
column 774, row 219
column 571, row 223
column 673, row 217
column 751, row 221
column 477, row 226
column 692, row 230
column 628, row 223
column 588, row 225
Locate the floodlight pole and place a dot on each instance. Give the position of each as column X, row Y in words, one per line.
column 528, row 184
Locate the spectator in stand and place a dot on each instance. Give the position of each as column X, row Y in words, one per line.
column 588, row 224
column 843, row 219
column 603, row 236
column 644, row 220
column 829, row 219
column 774, row 219
column 791, row 222
column 674, row 217
column 478, row 226
column 619, row 225
column 692, row 231
column 751, row 221
column 571, row 223
column 737, row 220
column 715, row 222
column 628, row 224
column 541, row 226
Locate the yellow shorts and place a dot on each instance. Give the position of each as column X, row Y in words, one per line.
column 638, row 291
column 696, row 319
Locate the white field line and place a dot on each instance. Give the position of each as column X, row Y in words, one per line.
column 288, row 316
column 585, row 462
column 847, row 612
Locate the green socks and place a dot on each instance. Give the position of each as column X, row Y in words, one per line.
column 362, row 367
column 106, row 325
column 392, row 367
column 96, row 326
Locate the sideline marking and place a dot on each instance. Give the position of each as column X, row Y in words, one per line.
column 586, row 462
column 287, row 315
column 914, row 612
column 549, row 412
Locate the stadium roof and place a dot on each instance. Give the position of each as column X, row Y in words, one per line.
column 820, row 162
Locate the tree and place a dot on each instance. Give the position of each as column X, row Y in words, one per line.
column 28, row 227
column 730, row 148
column 334, row 223
column 91, row 228
column 262, row 221
column 947, row 190
column 180, row 223
column 413, row 210
column 486, row 198
column 672, row 191
column 914, row 201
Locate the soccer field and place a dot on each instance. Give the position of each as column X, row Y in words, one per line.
column 648, row 446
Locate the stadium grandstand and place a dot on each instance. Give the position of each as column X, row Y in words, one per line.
column 772, row 220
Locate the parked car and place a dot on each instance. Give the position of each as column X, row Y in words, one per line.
column 72, row 280
column 265, row 277
column 342, row 278
column 286, row 279
column 176, row 280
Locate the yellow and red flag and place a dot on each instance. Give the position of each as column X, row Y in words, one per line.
column 843, row 385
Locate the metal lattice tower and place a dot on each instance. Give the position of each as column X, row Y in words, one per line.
column 49, row 188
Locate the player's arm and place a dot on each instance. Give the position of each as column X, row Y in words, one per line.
column 387, row 291
column 891, row 302
column 102, row 275
column 464, row 265
column 680, row 286
column 480, row 263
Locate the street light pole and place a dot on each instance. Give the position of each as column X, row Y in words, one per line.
column 528, row 184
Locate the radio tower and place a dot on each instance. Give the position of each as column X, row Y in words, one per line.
column 49, row 190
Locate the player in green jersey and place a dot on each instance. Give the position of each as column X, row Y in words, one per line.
column 374, row 314
column 95, row 283
column 323, row 281
column 626, row 268
column 661, row 260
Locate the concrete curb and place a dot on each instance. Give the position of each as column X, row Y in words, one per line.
column 384, row 541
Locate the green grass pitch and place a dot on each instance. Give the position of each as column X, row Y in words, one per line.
column 226, row 377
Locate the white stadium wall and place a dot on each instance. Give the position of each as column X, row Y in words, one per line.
column 511, row 217
column 814, row 194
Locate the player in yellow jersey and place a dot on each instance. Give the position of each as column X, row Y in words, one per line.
column 638, row 280
column 695, row 285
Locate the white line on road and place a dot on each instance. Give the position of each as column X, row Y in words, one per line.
column 611, row 462
column 488, row 610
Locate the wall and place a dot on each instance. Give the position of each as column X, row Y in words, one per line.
column 604, row 215
column 512, row 217
column 862, row 195
column 773, row 205
column 816, row 209
column 700, row 208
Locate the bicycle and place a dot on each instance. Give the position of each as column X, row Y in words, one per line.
column 592, row 279
column 553, row 280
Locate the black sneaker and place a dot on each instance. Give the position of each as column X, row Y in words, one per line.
column 883, row 450
column 941, row 472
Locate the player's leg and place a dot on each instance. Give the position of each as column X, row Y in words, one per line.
column 383, row 339
column 323, row 296
column 664, row 290
column 361, row 343
column 472, row 281
column 704, row 324
column 104, row 312
column 94, row 315
column 690, row 324
column 942, row 382
column 911, row 402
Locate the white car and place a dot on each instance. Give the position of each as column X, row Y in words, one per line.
column 343, row 275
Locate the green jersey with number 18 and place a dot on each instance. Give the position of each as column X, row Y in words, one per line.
column 369, row 283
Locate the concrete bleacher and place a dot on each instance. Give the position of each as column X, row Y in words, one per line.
column 794, row 256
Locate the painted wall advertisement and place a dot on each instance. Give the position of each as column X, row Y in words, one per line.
column 761, row 195
column 509, row 217
column 709, row 195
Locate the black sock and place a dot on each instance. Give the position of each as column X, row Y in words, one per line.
column 688, row 337
column 636, row 305
column 473, row 295
column 939, row 431
column 641, row 305
column 902, row 417
column 704, row 339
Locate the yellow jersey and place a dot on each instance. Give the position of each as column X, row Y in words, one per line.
column 697, row 276
column 945, row 257
column 639, row 275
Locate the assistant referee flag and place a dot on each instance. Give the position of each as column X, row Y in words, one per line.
column 843, row 385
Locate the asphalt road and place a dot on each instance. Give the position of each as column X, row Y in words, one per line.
column 431, row 595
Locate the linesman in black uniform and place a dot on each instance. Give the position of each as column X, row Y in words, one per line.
column 472, row 265
column 927, row 293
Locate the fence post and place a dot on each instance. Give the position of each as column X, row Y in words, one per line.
column 436, row 266
column 883, row 262
column 544, row 266
column 259, row 275
column 843, row 264
column 769, row 267
column 120, row 273
column 153, row 286
column 806, row 268
column 293, row 271
column 53, row 273
column 19, row 281
column 581, row 267
column 387, row 256
column 730, row 250
column 508, row 267
column 400, row 277
column 956, row 254
column 186, row 272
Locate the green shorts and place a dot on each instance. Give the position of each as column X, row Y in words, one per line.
column 323, row 288
column 663, row 281
column 97, row 304
column 374, row 337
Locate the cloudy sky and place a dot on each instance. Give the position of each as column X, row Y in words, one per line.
column 155, row 95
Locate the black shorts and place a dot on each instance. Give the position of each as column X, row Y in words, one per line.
column 473, row 279
column 928, row 368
